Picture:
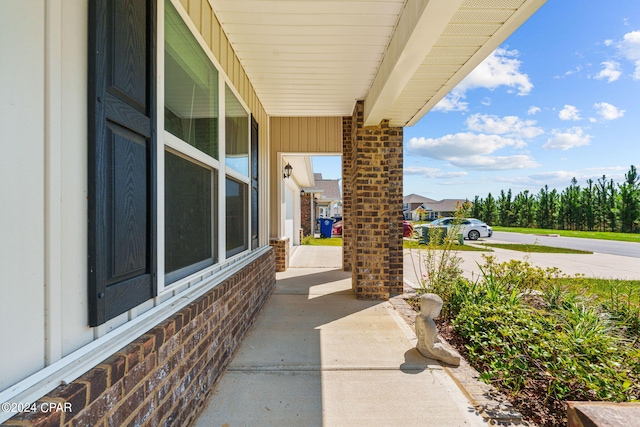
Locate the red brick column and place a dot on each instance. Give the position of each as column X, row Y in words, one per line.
column 347, row 227
column 375, row 209
column 305, row 214
column 281, row 247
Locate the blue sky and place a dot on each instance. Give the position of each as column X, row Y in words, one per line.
column 559, row 99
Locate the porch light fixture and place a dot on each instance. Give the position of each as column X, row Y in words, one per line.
column 287, row 170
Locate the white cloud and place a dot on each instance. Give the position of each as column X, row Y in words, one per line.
column 459, row 145
column 451, row 102
column 533, row 110
column 611, row 71
column 565, row 140
column 570, row 72
column 501, row 68
column 495, row 163
column 608, row 111
column 472, row 151
column 553, row 178
column 563, row 178
column 433, row 173
column 569, row 112
column 629, row 46
column 511, row 126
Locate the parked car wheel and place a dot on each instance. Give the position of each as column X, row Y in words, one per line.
column 473, row 235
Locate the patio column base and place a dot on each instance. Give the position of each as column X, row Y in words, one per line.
column 281, row 247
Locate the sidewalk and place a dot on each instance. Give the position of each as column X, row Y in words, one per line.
column 601, row 266
column 316, row 257
column 317, row 356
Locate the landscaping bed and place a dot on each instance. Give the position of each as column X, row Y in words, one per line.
column 538, row 338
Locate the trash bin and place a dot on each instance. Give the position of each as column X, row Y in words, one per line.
column 326, row 224
column 437, row 233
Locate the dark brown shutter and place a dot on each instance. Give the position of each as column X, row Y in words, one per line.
column 122, row 138
column 254, row 183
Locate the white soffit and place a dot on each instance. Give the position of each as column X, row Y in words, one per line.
column 302, row 170
column 317, row 57
column 473, row 32
column 309, row 57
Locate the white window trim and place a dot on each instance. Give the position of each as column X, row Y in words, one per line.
column 166, row 139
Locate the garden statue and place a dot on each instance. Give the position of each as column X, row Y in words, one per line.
column 429, row 344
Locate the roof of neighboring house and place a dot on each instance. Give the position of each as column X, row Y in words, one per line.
column 444, row 205
column 415, row 198
column 330, row 188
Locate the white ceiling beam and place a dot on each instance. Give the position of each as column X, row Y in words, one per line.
column 516, row 20
column 419, row 27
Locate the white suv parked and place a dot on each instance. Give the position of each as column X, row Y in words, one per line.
column 470, row 228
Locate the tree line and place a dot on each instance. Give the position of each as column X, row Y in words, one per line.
column 598, row 206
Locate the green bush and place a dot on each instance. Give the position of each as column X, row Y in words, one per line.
column 530, row 335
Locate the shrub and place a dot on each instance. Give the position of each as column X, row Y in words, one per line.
column 549, row 342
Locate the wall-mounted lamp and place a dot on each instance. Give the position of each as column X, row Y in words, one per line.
column 287, row 170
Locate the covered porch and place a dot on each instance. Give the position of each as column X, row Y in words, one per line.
column 319, row 356
column 121, row 108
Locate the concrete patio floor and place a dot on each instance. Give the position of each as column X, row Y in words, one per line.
column 317, row 356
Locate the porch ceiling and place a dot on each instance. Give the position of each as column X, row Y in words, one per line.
column 317, row 57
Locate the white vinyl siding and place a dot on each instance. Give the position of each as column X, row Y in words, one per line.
column 22, row 190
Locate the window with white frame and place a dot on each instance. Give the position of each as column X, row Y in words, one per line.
column 170, row 177
column 200, row 147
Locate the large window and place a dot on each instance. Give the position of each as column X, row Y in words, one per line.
column 160, row 199
column 236, row 134
column 237, row 214
column 191, row 87
column 189, row 242
column 194, row 101
column 191, row 115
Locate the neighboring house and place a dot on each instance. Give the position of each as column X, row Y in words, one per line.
column 328, row 197
column 144, row 207
column 301, row 178
column 418, row 208
column 413, row 202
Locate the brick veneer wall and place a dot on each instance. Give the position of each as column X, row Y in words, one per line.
column 347, row 182
column 164, row 377
column 305, row 214
column 375, row 211
column 281, row 247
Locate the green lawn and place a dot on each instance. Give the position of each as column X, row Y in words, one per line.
column 333, row 241
column 413, row 244
column 623, row 237
column 535, row 248
column 605, row 289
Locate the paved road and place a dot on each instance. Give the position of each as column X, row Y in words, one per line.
column 628, row 249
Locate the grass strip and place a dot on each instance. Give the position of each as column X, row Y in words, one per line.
column 602, row 235
column 535, row 248
column 415, row 244
column 329, row 241
column 604, row 289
